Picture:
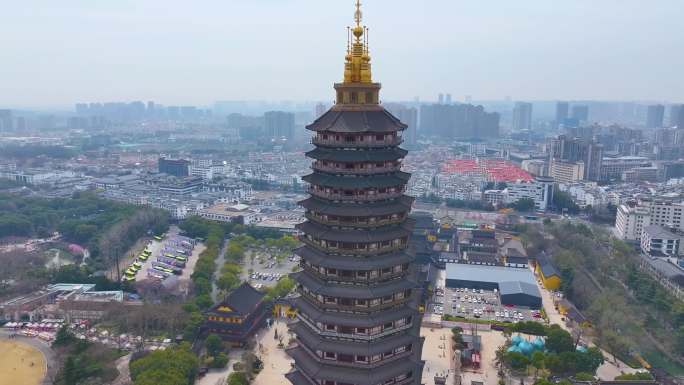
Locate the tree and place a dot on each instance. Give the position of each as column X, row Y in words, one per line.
column 638, row 376
column 517, row 360
column 175, row 366
column 538, row 362
column 219, row 361
column 63, row 337
column 214, row 344
column 559, row 340
column 523, row 205
column 237, row 378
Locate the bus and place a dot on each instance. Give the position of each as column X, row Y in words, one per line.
column 181, row 258
column 171, row 269
column 143, row 257
column 137, row 264
column 162, row 269
column 128, row 279
column 183, row 252
column 157, row 237
column 130, row 272
column 171, row 261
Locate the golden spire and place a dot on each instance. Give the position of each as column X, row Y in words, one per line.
column 357, row 68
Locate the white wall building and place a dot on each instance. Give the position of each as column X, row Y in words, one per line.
column 540, row 191
column 631, row 221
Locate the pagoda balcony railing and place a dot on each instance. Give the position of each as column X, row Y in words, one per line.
column 354, row 308
column 355, row 280
column 358, row 337
column 355, row 171
column 352, row 252
column 353, row 224
column 356, row 143
column 359, row 365
column 355, row 198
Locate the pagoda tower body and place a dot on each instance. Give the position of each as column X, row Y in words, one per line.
column 357, row 319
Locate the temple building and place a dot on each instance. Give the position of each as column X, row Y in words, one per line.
column 357, row 319
column 238, row 317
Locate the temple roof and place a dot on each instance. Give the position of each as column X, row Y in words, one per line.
column 357, row 121
column 354, row 263
column 315, row 342
column 379, row 234
column 317, row 286
column 372, row 375
column 397, row 178
column 241, row 301
column 394, row 206
column 375, row 318
column 376, row 155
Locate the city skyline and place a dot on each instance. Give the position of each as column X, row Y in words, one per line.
column 57, row 56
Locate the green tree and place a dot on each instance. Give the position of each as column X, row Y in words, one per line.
column 214, row 344
column 219, row 361
column 537, row 361
column 237, row 378
column 517, row 360
column 523, row 205
column 559, row 340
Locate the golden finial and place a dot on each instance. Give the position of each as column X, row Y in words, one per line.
column 357, row 67
column 357, row 14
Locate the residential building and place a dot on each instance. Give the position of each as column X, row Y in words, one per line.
column 176, row 167
column 655, row 116
column 572, row 150
column 522, row 116
column 632, row 219
column 562, row 109
column 580, row 113
column 279, row 125
column 659, row 241
column 613, row 168
column 408, row 116
column 540, row 191
column 566, row 172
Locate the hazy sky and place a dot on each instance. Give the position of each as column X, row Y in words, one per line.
column 55, row 53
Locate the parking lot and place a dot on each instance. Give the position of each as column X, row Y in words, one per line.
column 482, row 304
column 266, row 271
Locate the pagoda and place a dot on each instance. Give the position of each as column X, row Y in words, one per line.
column 357, row 295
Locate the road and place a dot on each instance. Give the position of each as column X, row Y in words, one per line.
column 220, row 261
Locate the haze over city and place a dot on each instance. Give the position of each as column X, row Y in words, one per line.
column 329, row 192
column 59, row 53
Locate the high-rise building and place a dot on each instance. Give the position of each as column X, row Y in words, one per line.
column 319, row 110
column 440, row 99
column 6, row 121
column 562, row 109
column 566, row 150
column 448, row 99
column 409, row 116
column 458, row 121
column 279, row 125
column 580, row 112
column 677, row 115
column 655, row 115
column 357, row 316
column 522, row 116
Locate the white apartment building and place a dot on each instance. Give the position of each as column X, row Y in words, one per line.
column 540, row 191
column 566, row 172
column 631, row 221
column 659, row 240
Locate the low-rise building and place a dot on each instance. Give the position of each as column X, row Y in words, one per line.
column 659, row 241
